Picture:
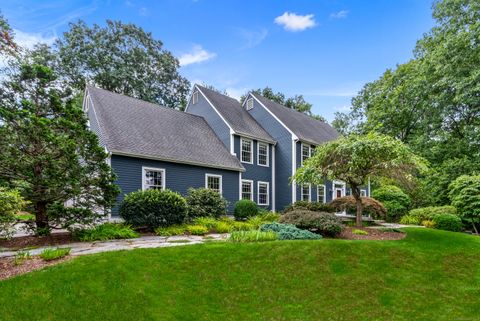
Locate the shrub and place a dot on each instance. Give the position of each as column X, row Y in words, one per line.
column 428, row 223
column 11, row 202
column 447, row 222
column 395, row 201
column 268, row 216
column 20, row 257
column 203, row 202
column 410, row 220
column 197, row 229
column 153, row 208
column 311, row 206
column 359, row 232
column 252, row 236
column 171, row 230
column 370, row 206
column 427, row 213
column 326, row 224
column 241, row 226
column 223, row 227
column 54, row 254
column 245, row 209
column 103, row 232
column 465, row 196
column 208, row 222
column 289, row 232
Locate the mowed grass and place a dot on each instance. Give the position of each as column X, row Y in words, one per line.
column 430, row 275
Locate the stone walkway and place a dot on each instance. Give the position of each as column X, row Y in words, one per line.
column 145, row 242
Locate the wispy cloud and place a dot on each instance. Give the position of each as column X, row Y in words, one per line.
column 235, row 92
column 143, row 11
column 252, row 37
column 339, row 15
column 197, row 55
column 342, row 109
column 294, row 22
column 28, row 40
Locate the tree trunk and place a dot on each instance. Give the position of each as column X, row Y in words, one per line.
column 358, row 202
column 474, row 227
column 41, row 220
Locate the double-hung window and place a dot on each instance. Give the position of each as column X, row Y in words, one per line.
column 214, row 182
column 263, row 193
column 247, row 190
column 153, row 178
column 321, row 194
column 306, row 152
column 246, row 151
column 262, row 154
column 306, row 192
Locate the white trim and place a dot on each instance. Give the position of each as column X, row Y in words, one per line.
column 207, row 175
column 220, row 115
column 343, row 188
column 258, row 154
column 194, row 101
column 248, row 104
column 100, row 134
column 369, row 191
column 294, row 169
column 364, row 191
column 251, row 185
column 120, row 153
column 252, row 156
column 239, row 185
column 324, row 193
column 273, row 115
column 268, row 193
column 273, row 178
column 309, row 192
column 145, row 168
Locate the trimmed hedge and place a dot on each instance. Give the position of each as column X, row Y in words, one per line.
column 245, row 209
column 326, row 224
column 447, row 222
column 204, row 202
column 153, row 208
column 418, row 215
column 311, row 206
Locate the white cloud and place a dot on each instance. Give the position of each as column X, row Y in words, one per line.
column 28, row 40
column 343, row 108
column 339, row 15
column 252, row 37
column 143, row 11
column 236, row 92
column 294, row 22
column 197, row 55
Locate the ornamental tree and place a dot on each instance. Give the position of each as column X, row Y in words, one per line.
column 354, row 159
column 465, row 195
column 49, row 152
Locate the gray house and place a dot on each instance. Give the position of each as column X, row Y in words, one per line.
column 243, row 152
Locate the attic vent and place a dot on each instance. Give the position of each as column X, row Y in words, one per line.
column 195, row 98
column 249, row 104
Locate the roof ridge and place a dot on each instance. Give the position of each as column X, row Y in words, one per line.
column 142, row 101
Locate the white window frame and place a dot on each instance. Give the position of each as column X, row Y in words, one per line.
column 195, row 97
column 309, row 192
column 215, row 176
column 343, row 188
column 250, row 182
column 364, row 192
column 301, row 152
column 322, row 186
column 258, row 154
column 249, row 103
column 241, row 150
column 268, row 193
column 144, row 178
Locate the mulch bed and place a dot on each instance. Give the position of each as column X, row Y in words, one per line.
column 8, row 268
column 35, row 241
column 373, row 234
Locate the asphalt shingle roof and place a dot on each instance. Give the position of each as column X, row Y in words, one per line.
column 236, row 116
column 303, row 126
column 140, row 128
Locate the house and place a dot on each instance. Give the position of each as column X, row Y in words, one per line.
column 247, row 151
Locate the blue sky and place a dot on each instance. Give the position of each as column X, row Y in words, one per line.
column 323, row 49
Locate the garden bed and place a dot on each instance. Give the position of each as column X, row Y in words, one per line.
column 30, row 241
column 373, row 234
column 9, row 269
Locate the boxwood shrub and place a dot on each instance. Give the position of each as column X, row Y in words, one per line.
column 447, row 222
column 245, row 209
column 203, row 202
column 326, row 224
column 153, row 208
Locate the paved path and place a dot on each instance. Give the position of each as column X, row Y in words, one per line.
column 394, row 225
column 145, row 242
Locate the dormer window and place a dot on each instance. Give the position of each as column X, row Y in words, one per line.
column 249, row 103
column 195, row 98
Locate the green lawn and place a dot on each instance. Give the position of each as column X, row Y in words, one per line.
column 431, row 275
